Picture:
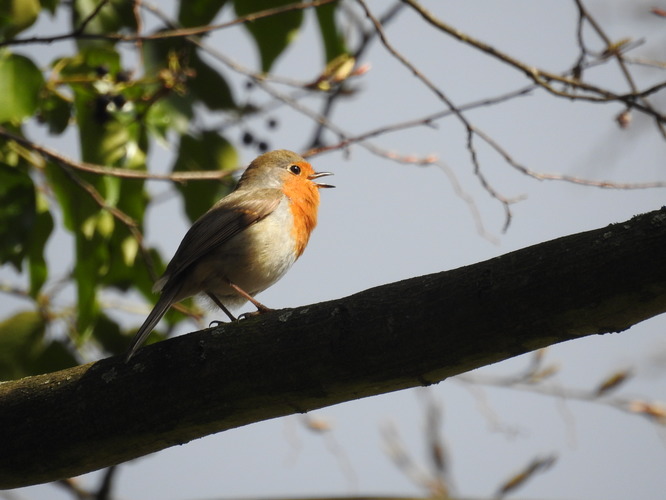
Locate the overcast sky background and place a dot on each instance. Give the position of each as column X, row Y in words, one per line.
column 388, row 221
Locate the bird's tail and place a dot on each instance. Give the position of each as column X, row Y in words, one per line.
column 167, row 298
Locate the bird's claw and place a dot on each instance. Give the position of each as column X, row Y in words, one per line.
column 215, row 323
column 249, row 315
column 260, row 310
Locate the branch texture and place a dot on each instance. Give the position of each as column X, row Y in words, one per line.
column 406, row 334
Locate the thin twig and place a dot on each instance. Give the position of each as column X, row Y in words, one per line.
column 569, row 178
column 59, row 158
column 81, row 28
column 541, row 77
column 177, row 33
column 456, row 111
column 364, row 44
column 654, row 410
column 619, row 57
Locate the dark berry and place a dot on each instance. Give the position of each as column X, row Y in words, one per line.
column 123, row 76
column 247, row 138
column 119, row 101
column 102, row 70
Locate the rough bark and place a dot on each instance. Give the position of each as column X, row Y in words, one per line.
column 414, row 332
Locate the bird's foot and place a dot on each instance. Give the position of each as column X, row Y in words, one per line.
column 261, row 309
column 216, row 323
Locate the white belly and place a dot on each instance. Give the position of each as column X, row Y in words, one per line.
column 254, row 259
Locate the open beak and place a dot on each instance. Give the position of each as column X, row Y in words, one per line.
column 317, row 175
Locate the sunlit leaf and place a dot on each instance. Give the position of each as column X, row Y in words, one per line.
column 274, row 33
column 105, row 224
column 20, row 83
column 97, row 62
column 130, row 249
column 21, row 337
column 16, row 16
column 168, row 115
column 335, row 72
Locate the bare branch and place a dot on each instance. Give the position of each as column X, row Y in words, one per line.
column 175, row 33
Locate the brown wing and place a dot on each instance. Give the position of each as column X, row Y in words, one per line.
column 229, row 217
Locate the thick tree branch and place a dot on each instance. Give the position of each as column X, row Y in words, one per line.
column 414, row 332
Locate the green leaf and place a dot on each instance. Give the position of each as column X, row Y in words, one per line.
column 42, row 231
column 209, row 151
column 105, row 138
column 54, row 356
column 73, row 206
column 16, row 16
column 88, row 63
column 56, row 112
column 113, row 17
column 158, row 53
column 20, row 84
column 91, row 262
column 144, row 279
column 25, row 224
column 209, row 86
column 112, row 132
column 198, row 81
column 108, row 334
column 99, row 237
column 17, row 217
column 173, row 111
column 109, row 135
column 21, row 338
column 272, row 34
column 334, row 42
column 50, row 5
column 198, row 12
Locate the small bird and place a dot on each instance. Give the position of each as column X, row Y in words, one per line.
column 246, row 242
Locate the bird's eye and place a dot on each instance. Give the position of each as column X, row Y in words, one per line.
column 295, row 169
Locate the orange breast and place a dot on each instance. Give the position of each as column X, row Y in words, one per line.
column 304, row 203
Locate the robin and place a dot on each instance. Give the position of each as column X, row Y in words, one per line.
column 246, row 242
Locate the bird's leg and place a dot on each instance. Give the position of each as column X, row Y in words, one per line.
column 260, row 307
column 212, row 297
